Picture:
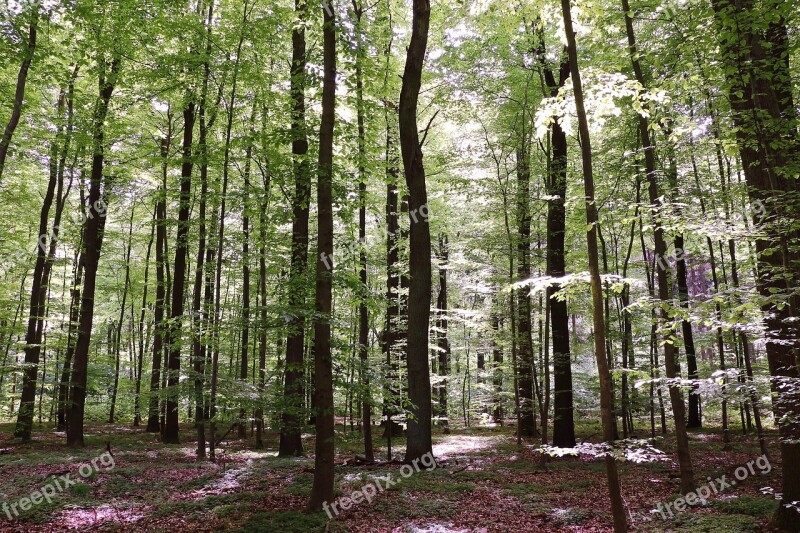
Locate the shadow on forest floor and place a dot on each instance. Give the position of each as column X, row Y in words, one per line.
column 485, row 482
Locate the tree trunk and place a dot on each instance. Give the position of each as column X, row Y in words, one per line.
column 606, row 392
column 527, row 426
column 764, row 115
column 37, row 304
column 419, row 298
column 19, row 94
column 118, row 333
column 137, row 415
column 443, row 344
column 322, row 489
column 291, row 443
column 563, row 409
column 93, row 229
column 244, row 360
column 363, row 313
column 153, row 418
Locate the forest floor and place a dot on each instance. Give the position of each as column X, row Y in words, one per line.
column 484, row 482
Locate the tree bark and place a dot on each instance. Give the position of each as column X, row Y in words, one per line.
column 118, row 333
column 419, row 298
column 563, row 409
column 443, row 344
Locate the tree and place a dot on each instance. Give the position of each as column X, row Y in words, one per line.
column 322, row 489
column 293, row 387
column 19, row 94
column 765, row 120
column 93, row 241
column 606, row 392
column 419, row 296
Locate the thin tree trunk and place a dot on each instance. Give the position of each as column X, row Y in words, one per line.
column 118, row 334
column 443, row 343
column 19, row 94
column 363, row 313
column 153, row 418
column 606, row 393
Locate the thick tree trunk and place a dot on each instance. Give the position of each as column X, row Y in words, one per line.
column 606, row 392
column 322, row 489
column 291, row 443
column 765, row 117
column 419, row 298
column 175, row 330
column 93, row 229
column 563, row 409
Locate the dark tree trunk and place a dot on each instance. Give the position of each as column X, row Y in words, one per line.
column 244, row 360
column 497, row 370
column 527, row 426
column 93, row 229
column 262, row 288
column 175, row 330
column 563, row 409
column 199, row 316
column 221, row 235
column 322, row 489
column 137, row 415
column 291, row 443
column 419, row 298
column 363, row 313
column 37, row 304
column 392, row 336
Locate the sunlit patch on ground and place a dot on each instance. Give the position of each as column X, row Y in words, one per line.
column 458, row 445
column 439, row 528
column 83, row 519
